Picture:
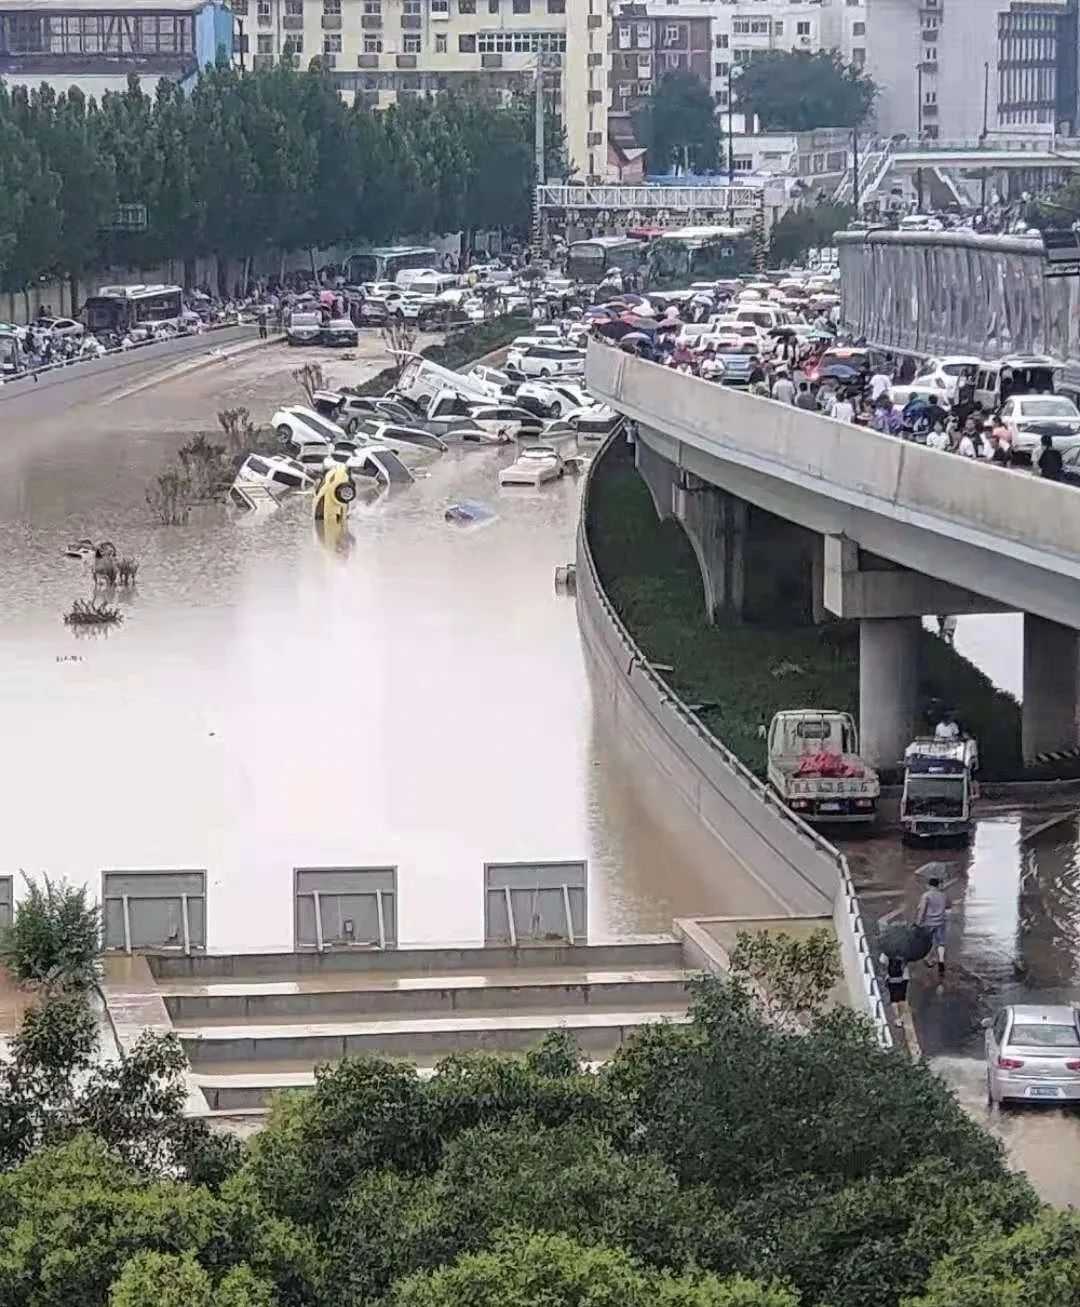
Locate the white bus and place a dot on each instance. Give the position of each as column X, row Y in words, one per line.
column 385, row 262
column 121, row 309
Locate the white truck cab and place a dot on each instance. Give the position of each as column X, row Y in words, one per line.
column 938, row 789
column 814, row 766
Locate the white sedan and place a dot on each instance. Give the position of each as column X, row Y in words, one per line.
column 1030, row 417
column 946, row 374
column 302, row 426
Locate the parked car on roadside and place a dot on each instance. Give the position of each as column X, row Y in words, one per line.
column 304, row 327
column 1030, row 417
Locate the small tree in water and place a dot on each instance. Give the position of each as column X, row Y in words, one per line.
column 170, row 495
column 399, row 337
column 310, row 379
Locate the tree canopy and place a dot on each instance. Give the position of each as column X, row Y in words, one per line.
column 794, row 91
column 248, row 162
column 758, row 1156
column 808, row 227
column 677, row 125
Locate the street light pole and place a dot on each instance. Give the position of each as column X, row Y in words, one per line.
column 855, row 169
column 919, row 129
column 538, row 122
column 986, row 128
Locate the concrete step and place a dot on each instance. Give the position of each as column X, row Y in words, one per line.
column 235, row 1088
column 420, row 1039
column 306, row 998
column 658, row 951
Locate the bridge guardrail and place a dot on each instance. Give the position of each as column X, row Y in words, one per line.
column 847, row 915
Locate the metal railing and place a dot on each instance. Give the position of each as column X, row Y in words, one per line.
column 847, row 914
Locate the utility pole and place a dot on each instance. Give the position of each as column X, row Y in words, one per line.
column 855, row 169
column 985, row 129
column 538, row 129
column 243, row 45
column 919, row 127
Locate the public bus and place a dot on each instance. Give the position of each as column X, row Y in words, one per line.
column 691, row 254
column 591, row 260
column 385, row 262
column 12, row 361
column 121, row 309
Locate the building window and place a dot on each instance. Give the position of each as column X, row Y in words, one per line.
column 239, row 7
column 723, row 70
column 411, row 44
column 295, row 8
column 331, row 43
column 858, row 29
column 778, row 27
column 410, row 8
column 466, row 44
column 722, row 41
column 294, row 44
column 722, row 99
column 440, row 7
column 372, row 44
column 440, row 42
column 741, row 26
column 502, row 41
column 802, row 29
column 493, row 6
column 373, row 8
column 264, row 9
column 556, row 6
column 858, row 56
column 264, row 43
column 626, row 89
column 522, row 6
column 671, row 34
column 466, row 6
column 328, row 6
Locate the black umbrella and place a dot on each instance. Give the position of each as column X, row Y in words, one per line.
column 901, row 940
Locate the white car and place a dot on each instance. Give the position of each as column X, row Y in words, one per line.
column 295, row 424
column 946, row 374
column 548, row 399
column 1030, row 417
column 60, row 326
column 264, row 479
column 533, row 466
column 1033, row 1053
column 548, row 360
column 574, row 395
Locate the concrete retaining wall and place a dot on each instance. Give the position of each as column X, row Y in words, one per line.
column 805, row 874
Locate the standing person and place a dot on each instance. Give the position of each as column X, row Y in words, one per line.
column 784, row 388
column 1049, row 460
column 261, row 315
column 931, row 914
column 938, row 438
column 805, row 398
column 880, row 384
column 843, row 410
column 966, row 447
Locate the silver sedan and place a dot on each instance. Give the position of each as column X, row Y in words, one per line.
column 1033, row 1055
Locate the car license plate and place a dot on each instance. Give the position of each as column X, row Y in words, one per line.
column 1045, row 1091
column 828, row 807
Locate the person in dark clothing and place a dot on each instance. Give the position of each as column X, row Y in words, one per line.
column 805, row 398
column 1049, row 460
column 261, row 316
column 934, row 413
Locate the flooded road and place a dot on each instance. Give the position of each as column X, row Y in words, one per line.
column 1013, row 937
column 419, row 700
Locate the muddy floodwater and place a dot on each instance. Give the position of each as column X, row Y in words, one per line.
column 417, row 699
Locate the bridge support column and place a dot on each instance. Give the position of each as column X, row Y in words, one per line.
column 1051, row 708
column 715, row 524
column 888, row 686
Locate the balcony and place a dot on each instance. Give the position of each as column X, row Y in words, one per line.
column 405, row 61
column 266, row 19
column 293, row 22
column 367, row 61
column 411, row 22
column 491, row 61
column 371, row 22
column 262, row 61
column 331, row 22
column 328, row 60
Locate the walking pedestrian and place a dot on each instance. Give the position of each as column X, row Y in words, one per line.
column 261, row 315
column 783, row 388
column 897, row 976
column 931, row 915
column 1049, row 460
column 805, row 398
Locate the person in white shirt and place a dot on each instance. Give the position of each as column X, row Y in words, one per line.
column 843, row 410
column 966, row 447
column 947, row 729
column 880, row 384
column 784, row 389
column 937, row 439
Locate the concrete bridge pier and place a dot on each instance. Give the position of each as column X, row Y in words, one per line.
column 888, row 687
column 715, row 524
column 1051, row 707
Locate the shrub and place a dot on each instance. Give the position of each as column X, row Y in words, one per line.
column 55, row 937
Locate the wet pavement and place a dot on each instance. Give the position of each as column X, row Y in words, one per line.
column 1013, row 937
column 418, row 699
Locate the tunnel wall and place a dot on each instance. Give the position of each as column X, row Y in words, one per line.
column 804, row 873
column 958, row 293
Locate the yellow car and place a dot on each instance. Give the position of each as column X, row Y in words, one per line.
column 334, row 494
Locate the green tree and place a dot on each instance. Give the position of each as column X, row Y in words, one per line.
column 677, row 125
column 522, row 1270
column 793, row 91
column 1032, row 1266
column 152, row 1279
column 805, row 228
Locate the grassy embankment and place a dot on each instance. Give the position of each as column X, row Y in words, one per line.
column 743, row 674
column 461, row 348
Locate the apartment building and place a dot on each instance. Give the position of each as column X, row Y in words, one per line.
column 649, row 39
column 381, row 49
